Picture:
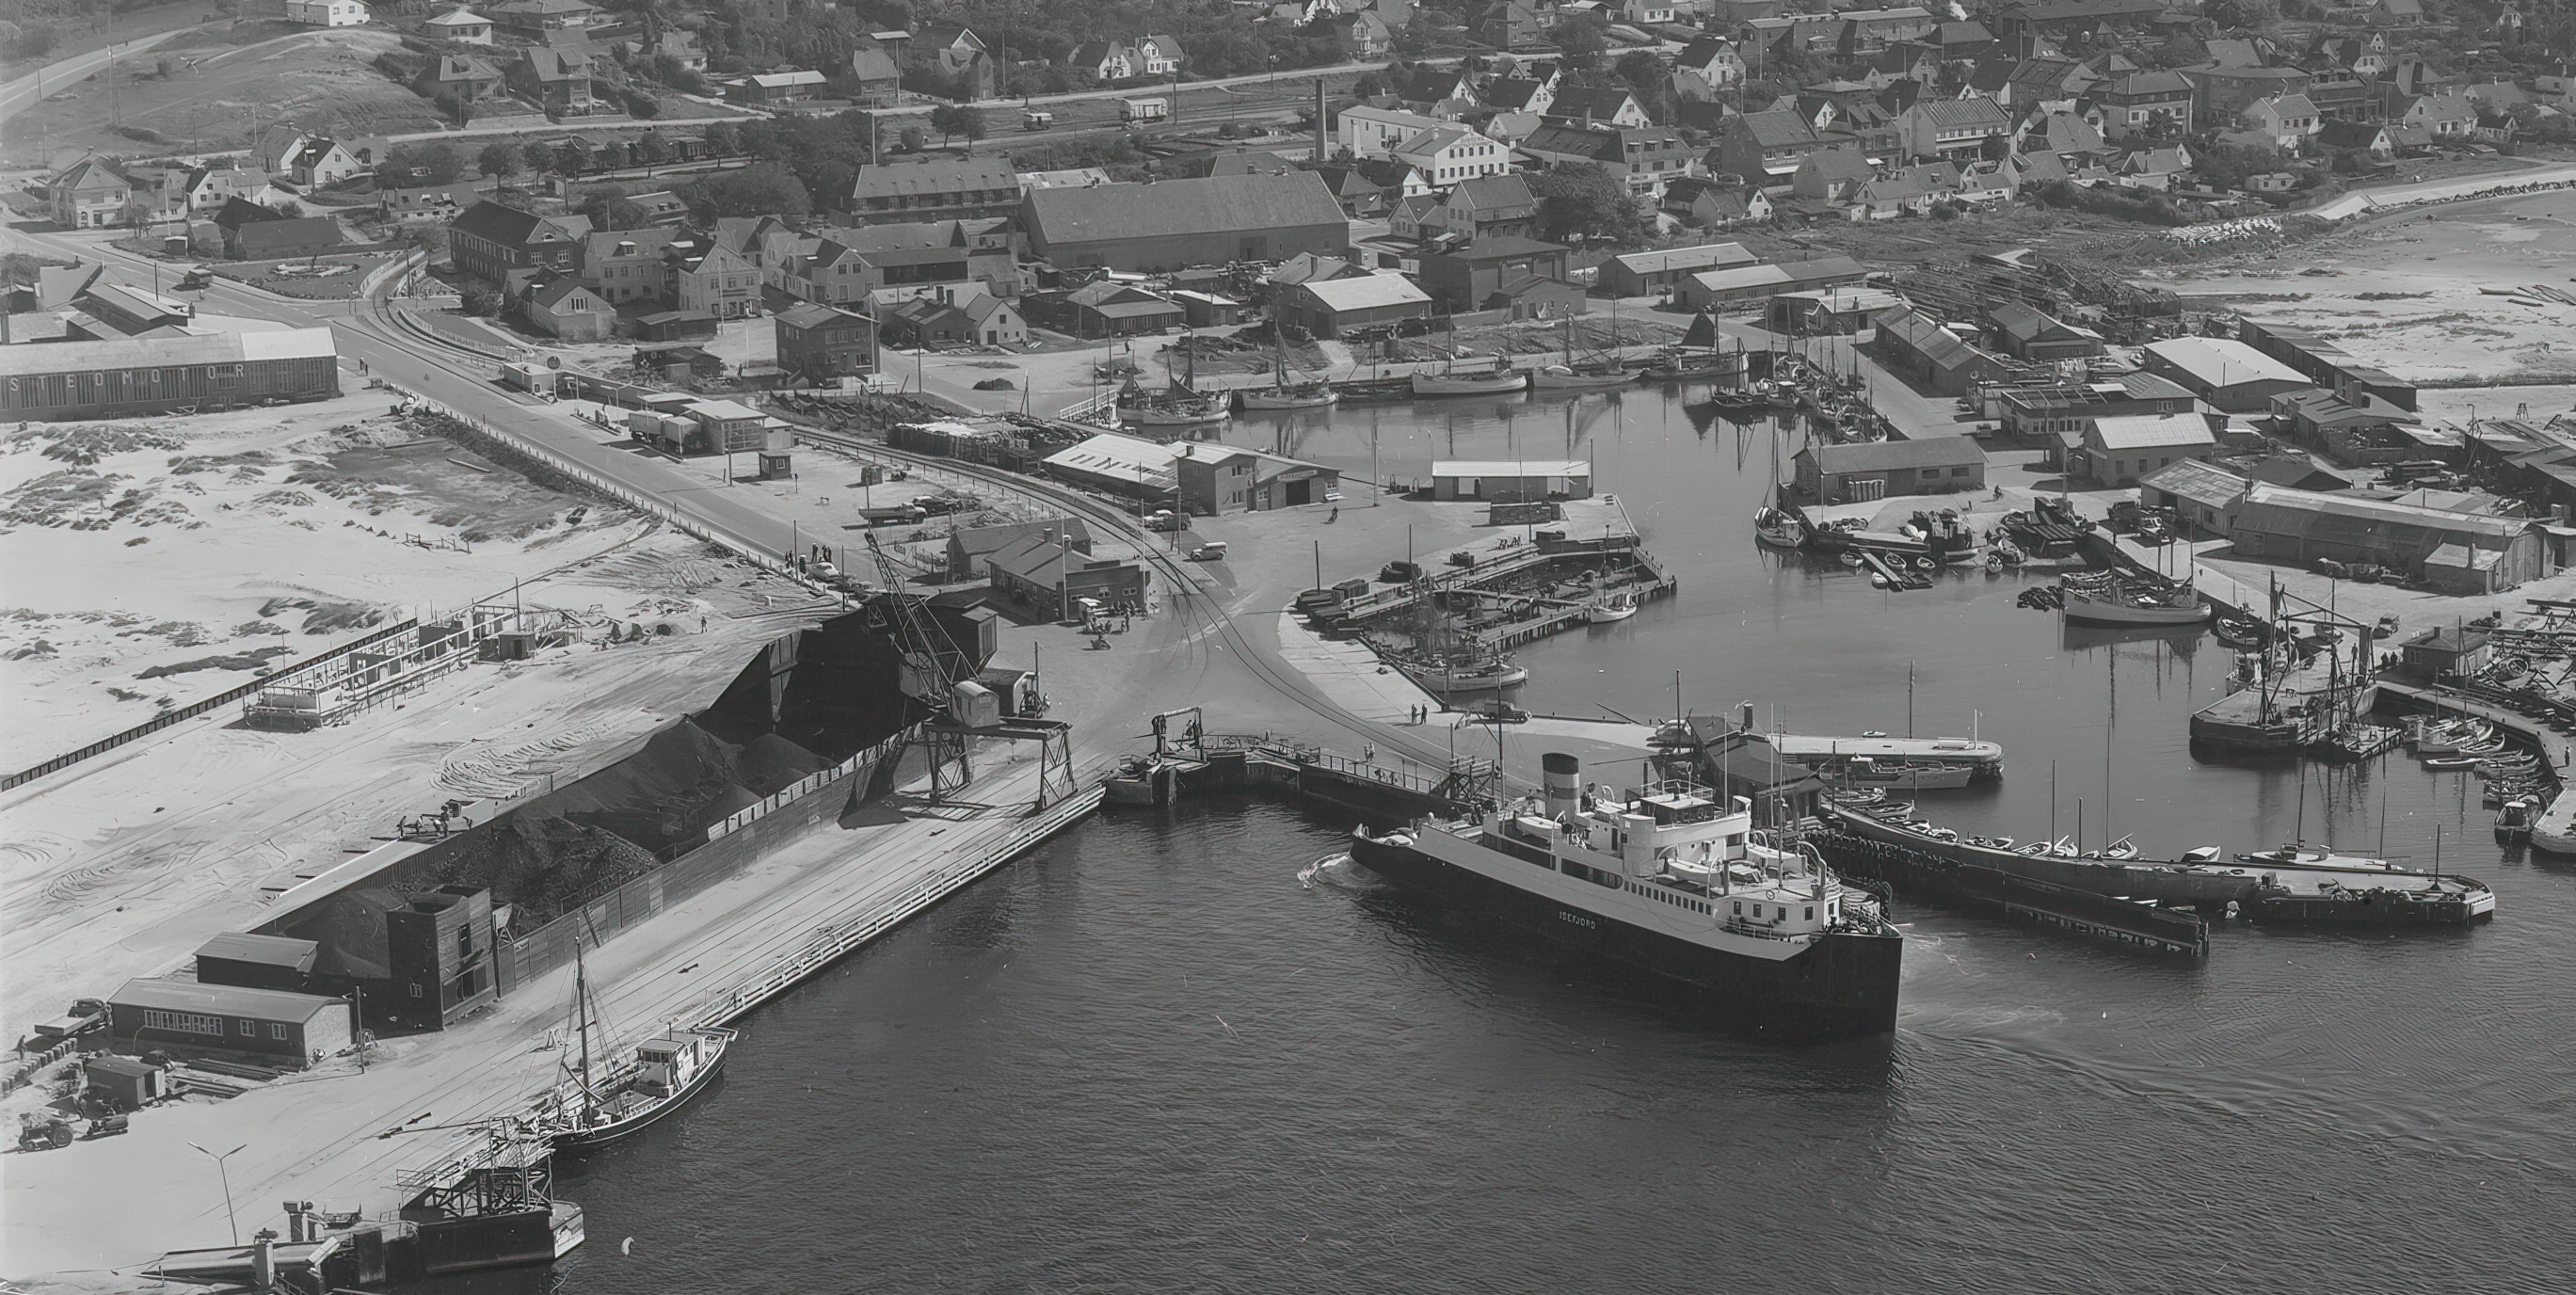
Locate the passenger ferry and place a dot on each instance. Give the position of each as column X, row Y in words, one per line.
column 1764, row 935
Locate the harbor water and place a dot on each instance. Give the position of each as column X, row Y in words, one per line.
column 1168, row 1052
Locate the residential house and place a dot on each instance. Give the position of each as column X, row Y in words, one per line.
column 1432, row 90
column 1952, row 127
column 1910, row 192
column 680, row 45
column 1363, row 35
column 1186, row 222
column 1646, row 13
column 559, row 306
column 323, row 163
column 270, row 239
column 2156, row 103
column 1867, row 31
column 554, row 77
column 1104, row 60
column 955, row 53
column 489, row 240
column 714, row 280
column 1988, row 184
column 846, row 265
column 627, row 266
column 2288, row 122
column 2448, row 118
column 461, row 25
column 188, row 191
column 1642, row 158
column 1712, row 204
column 1161, row 55
column 941, row 188
column 533, row 19
column 2044, row 84
column 1830, row 175
column 277, row 146
column 1340, row 307
column 327, row 13
column 2159, row 169
column 1508, row 26
column 824, row 344
column 1714, row 59
column 2219, row 93
column 1450, row 154
column 1506, row 94
column 461, row 76
column 2363, row 55
column 1494, row 204
column 875, row 79
column 1408, row 216
column 2386, row 14
column 1598, row 105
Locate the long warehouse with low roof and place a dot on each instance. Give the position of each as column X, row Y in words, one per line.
column 157, row 375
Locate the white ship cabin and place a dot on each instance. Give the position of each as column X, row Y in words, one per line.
column 1673, row 845
column 667, row 1064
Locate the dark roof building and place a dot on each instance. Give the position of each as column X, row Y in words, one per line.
column 299, row 236
column 1871, row 470
column 263, row 1025
column 971, row 188
column 1179, row 223
column 489, row 240
column 971, row 548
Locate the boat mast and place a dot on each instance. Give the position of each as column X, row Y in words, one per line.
column 581, row 998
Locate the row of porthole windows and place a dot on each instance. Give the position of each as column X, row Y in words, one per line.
column 1783, row 910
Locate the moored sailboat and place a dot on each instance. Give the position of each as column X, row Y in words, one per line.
column 666, row 1071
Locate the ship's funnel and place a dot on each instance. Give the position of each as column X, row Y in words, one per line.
column 1563, row 776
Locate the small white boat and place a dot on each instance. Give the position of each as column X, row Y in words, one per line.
column 1470, row 384
column 2121, row 849
column 1611, row 610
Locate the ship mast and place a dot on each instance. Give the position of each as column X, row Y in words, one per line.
column 581, row 996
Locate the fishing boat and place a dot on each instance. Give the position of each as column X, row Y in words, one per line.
column 1667, row 881
column 1492, row 382
column 1179, row 405
column 1281, row 393
column 1779, row 528
column 2115, row 605
column 593, row 1109
column 1586, row 374
column 1689, row 364
column 1465, row 674
column 1374, row 391
column 2513, row 819
column 1611, row 610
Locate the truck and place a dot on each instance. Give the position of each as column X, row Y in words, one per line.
column 1136, row 112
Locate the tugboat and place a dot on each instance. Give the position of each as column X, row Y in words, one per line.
column 1763, row 935
column 599, row 1108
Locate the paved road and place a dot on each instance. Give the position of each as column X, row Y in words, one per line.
column 464, row 384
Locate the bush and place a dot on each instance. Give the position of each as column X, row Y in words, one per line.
column 144, row 134
column 641, row 106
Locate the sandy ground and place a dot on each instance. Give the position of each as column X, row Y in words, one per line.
column 243, row 541
column 2404, row 292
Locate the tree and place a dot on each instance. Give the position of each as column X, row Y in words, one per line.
column 500, row 157
column 955, row 119
column 1581, row 43
column 762, row 189
column 913, row 139
column 651, row 149
column 722, row 139
column 572, row 157
column 1369, row 86
column 456, row 109
column 406, row 165
column 641, row 106
column 609, row 208
column 1585, row 202
column 287, row 207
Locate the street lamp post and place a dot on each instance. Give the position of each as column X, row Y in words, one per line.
column 227, row 1176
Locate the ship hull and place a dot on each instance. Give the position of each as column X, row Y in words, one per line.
column 2088, row 612
column 602, row 1135
column 1551, row 380
column 1425, row 384
column 1844, row 986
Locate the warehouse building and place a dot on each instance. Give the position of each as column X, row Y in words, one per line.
column 1925, row 350
column 1051, row 577
column 1177, row 223
column 2120, row 449
column 1850, row 474
column 1649, row 274
column 1218, row 479
column 262, row 1025
column 2453, row 552
column 1511, row 480
column 2229, row 375
column 167, row 374
column 256, row 962
column 1340, row 307
column 1121, row 465
column 971, row 549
